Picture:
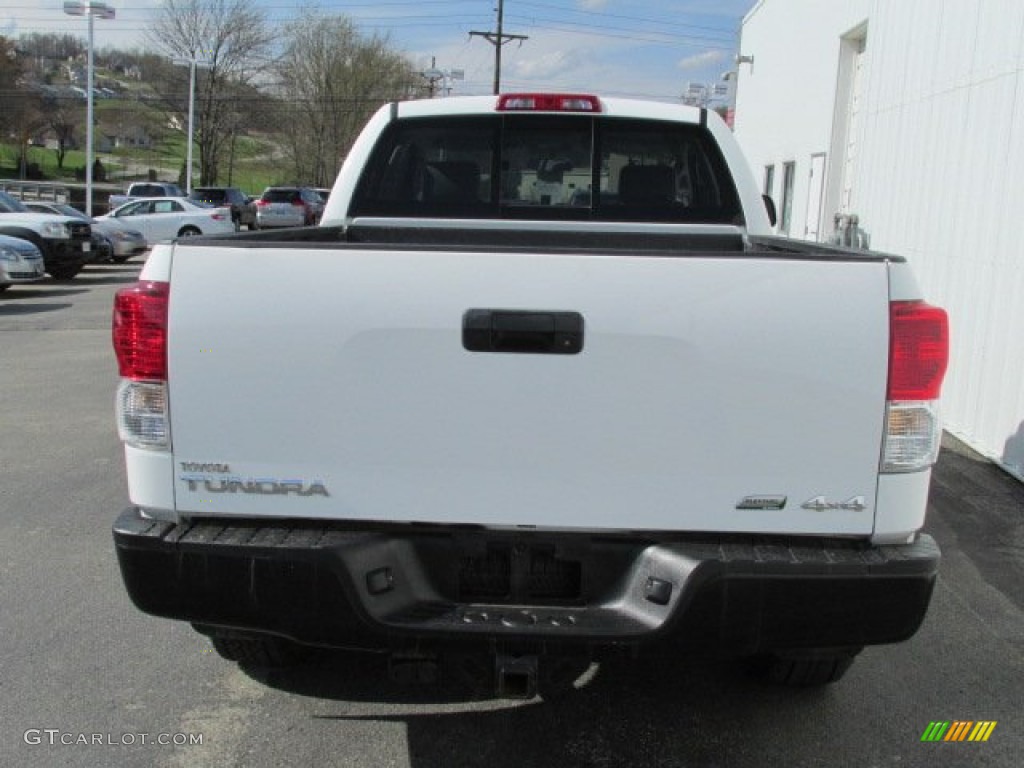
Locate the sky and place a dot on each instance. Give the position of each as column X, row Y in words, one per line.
column 651, row 49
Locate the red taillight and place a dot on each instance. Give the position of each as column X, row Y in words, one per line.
column 218, row 216
column 140, row 330
column 548, row 102
column 299, row 203
column 918, row 350
column 262, row 203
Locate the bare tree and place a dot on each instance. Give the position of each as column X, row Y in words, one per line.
column 228, row 40
column 11, row 67
column 48, row 51
column 60, row 116
column 20, row 117
column 332, row 80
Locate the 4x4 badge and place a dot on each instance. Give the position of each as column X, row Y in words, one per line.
column 822, row 504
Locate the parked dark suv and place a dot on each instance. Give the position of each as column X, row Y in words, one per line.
column 243, row 210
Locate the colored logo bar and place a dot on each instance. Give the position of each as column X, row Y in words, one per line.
column 959, row 730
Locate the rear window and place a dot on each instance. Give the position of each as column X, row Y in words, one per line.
column 548, row 167
column 282, row 195
column 155, row 190
column 210, row 195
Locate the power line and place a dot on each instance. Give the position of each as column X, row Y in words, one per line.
column 657, row 34
column 654, row 38
column 661, row 23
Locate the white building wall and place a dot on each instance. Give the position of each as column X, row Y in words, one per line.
column 939, row 170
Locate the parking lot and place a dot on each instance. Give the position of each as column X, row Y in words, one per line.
column 89, row 680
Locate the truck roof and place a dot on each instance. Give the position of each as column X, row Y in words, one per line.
column 614, row 107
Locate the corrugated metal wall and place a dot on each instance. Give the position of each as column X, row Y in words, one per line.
column 939, row 172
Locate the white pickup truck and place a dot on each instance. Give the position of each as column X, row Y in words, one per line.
column 64, row 241
column 540, row 388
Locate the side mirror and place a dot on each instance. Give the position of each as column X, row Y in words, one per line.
column 769, row 205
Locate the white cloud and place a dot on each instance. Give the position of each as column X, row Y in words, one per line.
column 560, row 61
column 547, row 66
column 700, row 60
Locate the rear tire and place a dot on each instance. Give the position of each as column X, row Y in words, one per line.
column 189, row 232
column 253, row 650
column 802, row 669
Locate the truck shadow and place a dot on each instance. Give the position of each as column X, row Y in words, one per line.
column 626, row 713
column 125, row 268
column 92, row 279
column 8, row 309
column 974, row 510
column 1013, row 450
column 45, row 291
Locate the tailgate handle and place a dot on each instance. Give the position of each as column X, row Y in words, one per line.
column 510, row 330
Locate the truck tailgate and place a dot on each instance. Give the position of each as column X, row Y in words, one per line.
column 718, row 393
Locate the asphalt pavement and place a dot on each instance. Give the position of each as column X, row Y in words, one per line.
column 88, row 680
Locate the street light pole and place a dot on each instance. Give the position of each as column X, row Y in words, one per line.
column 90, row 9
column 193, row 61
column 191, row 121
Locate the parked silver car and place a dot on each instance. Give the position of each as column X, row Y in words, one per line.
column 125, row 242
column 20, row 262
column 288, row 207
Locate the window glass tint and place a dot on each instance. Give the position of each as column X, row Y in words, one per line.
column 663, row 172
column 10, row 204
column 547, row 167
column 769, row 180
column 430, row 167
column 281, row 195
column 546, row 161
column 210, row 195
column 788, row 176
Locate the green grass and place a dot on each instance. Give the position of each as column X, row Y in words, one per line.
column 252, row 172
column 252, row 169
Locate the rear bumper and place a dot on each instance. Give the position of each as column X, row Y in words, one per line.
column 277, row 222
column 63, row 254
column 129, row 247
column 343, row 587
column 25, row 270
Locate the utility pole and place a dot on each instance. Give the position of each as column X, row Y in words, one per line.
column 498, row 39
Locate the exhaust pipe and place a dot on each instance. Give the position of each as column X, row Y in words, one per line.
column 516, row 676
